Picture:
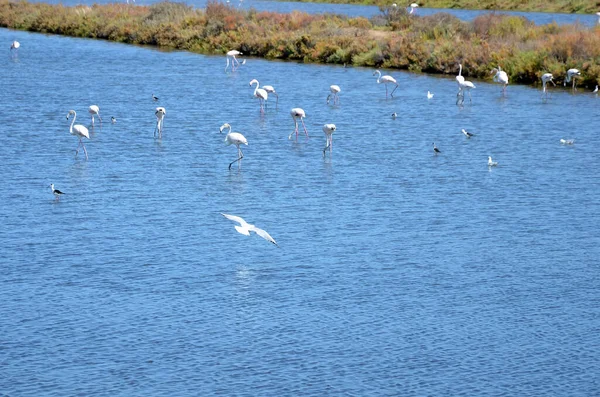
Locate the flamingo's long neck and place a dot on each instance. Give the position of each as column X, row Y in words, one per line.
column 460, row 69
column 256, row 88
column 378, row 76
column 73, row 122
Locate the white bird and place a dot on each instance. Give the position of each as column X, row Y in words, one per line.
column 413, row 8
column 113, row 119
column 335, row 90
column 271, row 90
column 154, row 98
column 571, row 75
column 79, row 131
column 491, row 163
column 595, row 90
column 386, row 80
column 298, row 113
column 160, row 115
column 394, row 115
column 245, row 228
column 546, row 77
column 435, row 149
column 467, row 133
column 328, row 129
column 234, row 138
column 500, row 77
column 567, row 141
column 261, row 94
column 429, row 95
column 15, row 45
column 231, row 56
column 57, row 193
column 94, row 110
column 462, row 86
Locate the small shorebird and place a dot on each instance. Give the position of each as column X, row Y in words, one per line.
column 435, row 149
column 57, row 193
column 491, row 163
column 467, row 133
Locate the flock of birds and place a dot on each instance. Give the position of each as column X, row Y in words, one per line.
column 298, row 114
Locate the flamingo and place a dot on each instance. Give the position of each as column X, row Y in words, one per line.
column 429, row 95
column 15, row 45
column 328, row 129
column 491, row 163
column 245, row 228
column 462, row 86
column 94, row 110
column 385, row 80
column 571, row 75
column 234, row 138
column 57, row 193
column 413, row 8
column 467, row 133
column 459, row 78
column 546, row 77
column 79, row 131
column 435, row 149
column 261, row 94
column 160, row 115
column 231, row 55
column 595, row 90
column 335, row 90
column 298, row 113
column 501, row 77
column 271, row 90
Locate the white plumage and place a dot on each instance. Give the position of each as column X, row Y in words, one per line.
column 245, row 228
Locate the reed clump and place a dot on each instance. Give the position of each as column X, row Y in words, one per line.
column 394, row 39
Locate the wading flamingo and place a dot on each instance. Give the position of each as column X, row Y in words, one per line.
column 95, row 110
column 335, row 90
column 413, row 8
column 298, row 113
column 328, row 129
column 571, row 75
column 261, row 94
column 500, row 77
column 234, row 138
column 160, row 115
column 79, row 131
column 546, row 77
column 271, row 90
column 386, row 80
column 231, row 56
column 245, row 228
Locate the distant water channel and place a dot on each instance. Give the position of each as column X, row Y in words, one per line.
column 539, row 18
column 398, row 273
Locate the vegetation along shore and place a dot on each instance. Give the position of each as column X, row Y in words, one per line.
column 562, row 6
column 394, row 39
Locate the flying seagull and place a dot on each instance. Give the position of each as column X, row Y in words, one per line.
column 245, row 228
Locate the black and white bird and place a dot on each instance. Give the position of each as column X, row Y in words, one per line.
column 113, row 119
column 467, row 133
column 394, row 115
column 154, row 98
column 435, row 149
column 57, row 193
column 245, row 228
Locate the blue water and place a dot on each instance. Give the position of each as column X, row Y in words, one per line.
column 354, row 10
column 398, row 272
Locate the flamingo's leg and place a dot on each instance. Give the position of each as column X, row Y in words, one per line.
column 306, row 132
column 392, row 94
column 240, row 157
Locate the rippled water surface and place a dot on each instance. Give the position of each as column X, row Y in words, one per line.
column 355, row 10
column 398, row 272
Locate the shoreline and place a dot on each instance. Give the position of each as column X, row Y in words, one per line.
column 433, row 44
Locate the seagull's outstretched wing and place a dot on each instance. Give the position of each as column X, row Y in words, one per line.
column 235, row 219
column 264, row 234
